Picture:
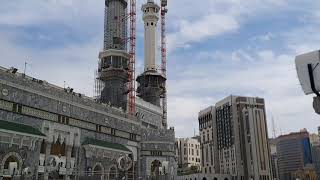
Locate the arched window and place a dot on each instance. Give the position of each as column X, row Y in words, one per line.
column 97, row 170
column 155, row 168
column 204, row 178
column 113, row 173
column 43, row 147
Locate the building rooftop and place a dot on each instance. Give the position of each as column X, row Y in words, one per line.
column 65, row 93
column 21, row 128
column 293, row 135
column 105, row 144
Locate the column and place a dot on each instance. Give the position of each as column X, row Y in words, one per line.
column 48, row 149
column 68, row 162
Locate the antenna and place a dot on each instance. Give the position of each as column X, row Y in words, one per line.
column 25, row 67
column 273, row 128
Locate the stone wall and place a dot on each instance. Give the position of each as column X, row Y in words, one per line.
column 204, row 177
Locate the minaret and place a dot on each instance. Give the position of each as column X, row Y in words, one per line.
column 151, row 83
column 114, row 59
column 150, row 18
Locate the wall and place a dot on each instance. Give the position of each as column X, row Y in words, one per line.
column 205, row 177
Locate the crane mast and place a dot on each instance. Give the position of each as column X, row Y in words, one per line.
column 132, row 52
column 164, row 11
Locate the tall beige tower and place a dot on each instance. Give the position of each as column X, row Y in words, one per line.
column 150, row 18
column 151, row 83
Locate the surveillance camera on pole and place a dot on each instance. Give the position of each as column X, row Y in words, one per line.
column 308, row 69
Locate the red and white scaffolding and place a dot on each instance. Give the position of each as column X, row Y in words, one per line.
column 132, row 61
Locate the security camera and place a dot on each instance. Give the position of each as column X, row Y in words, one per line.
column 308, row 69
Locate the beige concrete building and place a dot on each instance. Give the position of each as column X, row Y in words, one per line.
column 239, row 138
column 188, row 152
column 314, row 139
column 207, row 131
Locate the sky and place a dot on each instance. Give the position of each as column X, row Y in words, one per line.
column 215, row 48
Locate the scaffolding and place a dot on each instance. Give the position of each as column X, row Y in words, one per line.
column 164, row 11
column 132, row 61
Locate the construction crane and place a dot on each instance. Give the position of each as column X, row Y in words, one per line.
column 164, row 11
column 132, row 60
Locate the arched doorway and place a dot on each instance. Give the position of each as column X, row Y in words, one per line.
column 98, row 171
column 204, row 178
column 155, row 169
column 12, row 164
column 215, row 178
column 113, row 173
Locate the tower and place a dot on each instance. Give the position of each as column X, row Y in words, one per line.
column 113, row 67
column 151, row 83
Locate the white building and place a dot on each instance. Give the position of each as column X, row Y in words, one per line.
column 188, row 151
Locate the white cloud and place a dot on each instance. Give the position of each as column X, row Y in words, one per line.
column 213, row 18
column 73, row 64
column 270, row 76
column 197, row 31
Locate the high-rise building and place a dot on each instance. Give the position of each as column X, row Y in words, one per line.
column 274, row 158
column 314, row 139
column 240, row 138
column 294, row 154
column 188, row 152
column 207, row 132
column 315, row 151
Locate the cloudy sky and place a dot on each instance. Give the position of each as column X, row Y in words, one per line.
column 216, row 48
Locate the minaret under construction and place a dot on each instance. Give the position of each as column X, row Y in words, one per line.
column 151, row 82
column 114, row 59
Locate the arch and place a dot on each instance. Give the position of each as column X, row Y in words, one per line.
column 215, row 178
column 58, row 147
column 98, row 171
column 43, row 147
column 204, row 178
column 12, row 161
column 226, row 179
column 14, row 156
column 113, row 172
column 155, row 168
